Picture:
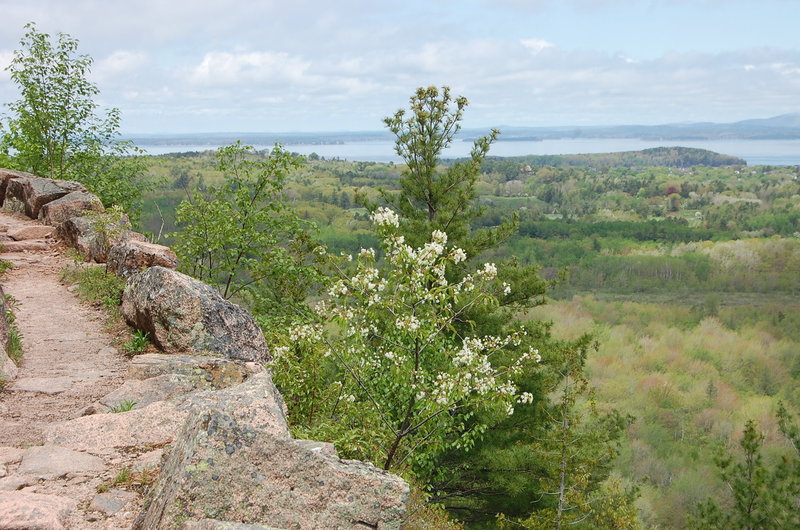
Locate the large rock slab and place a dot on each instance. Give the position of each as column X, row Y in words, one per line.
column 17, row 482
column 256, row 403
column 233, row 460
column 182, row 314
column 130, row 256
column 32, row 511
column 55, row 461
column 29, row 194
column 218, row 372
column 44, row 385
column 27, row 246
column 159, row 388
column 5, row 176
column 94, row 235
column 155, row 424
column 71, row 205
column 31, row 232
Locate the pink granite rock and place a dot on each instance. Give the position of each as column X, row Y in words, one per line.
column 33, row 511
column 130, row 256
column 70, row 205
column 29, row 194
column 185, row 315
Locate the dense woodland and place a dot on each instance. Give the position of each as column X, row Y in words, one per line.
column 687, row 276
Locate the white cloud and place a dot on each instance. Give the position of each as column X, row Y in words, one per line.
column 215, row 65
column 120, row 63
column 264, row 67
column 537, row 46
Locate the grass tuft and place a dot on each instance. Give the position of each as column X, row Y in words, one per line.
column 137, row 343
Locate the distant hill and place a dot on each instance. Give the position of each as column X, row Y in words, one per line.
column 680, row 157
column 784, row 127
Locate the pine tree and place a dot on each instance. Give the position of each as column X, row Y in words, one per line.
column 762, row 495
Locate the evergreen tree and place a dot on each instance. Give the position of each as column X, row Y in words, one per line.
column 432, row 197
column 762, row 496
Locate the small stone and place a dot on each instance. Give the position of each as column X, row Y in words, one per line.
column 111, row 502
column 156, row 424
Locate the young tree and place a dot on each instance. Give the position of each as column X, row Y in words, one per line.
column 440, row 195
column 762, row 495
column 432, row 197
column 241, row 236
column 55, row 130
column 403, row 378
column 576, row 452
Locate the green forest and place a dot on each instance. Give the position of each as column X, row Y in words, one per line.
column 685, row 274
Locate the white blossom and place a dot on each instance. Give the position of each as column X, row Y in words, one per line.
column 489, row 271
column 385, row 217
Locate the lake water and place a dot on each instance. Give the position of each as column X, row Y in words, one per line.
column 755, row 152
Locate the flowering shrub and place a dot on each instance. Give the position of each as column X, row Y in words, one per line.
column 398, row 370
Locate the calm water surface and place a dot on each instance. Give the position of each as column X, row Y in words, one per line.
column 755, row 152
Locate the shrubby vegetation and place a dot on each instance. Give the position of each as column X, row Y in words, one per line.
column 241, row 237
column 694, row 314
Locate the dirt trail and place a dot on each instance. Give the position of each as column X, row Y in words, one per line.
column 69, row 362
column 68, row 359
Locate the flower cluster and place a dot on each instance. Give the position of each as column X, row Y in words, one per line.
column 396, row 339
column 385, row 217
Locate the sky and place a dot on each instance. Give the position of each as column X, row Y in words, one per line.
column 183, row 66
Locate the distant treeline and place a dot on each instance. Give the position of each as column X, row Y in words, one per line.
column 678, row 157
column 672, row 231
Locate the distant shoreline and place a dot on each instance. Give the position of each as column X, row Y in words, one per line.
column 784, row 152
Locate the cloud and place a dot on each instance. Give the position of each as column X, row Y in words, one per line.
column 265, row 67
column 537, row 45
column 273, row 65
column 120, row 63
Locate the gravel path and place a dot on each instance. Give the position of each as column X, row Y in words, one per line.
column 68, row 363
column 68, row 359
